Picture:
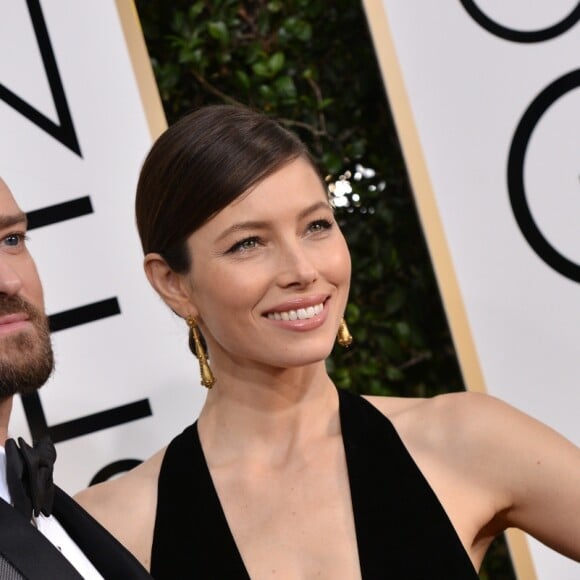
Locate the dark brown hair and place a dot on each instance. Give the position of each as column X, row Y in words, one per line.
column 198, row 166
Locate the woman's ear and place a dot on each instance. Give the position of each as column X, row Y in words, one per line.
column 169, row 285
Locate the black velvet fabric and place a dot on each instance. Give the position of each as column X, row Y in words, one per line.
column 402, row 530
column 187, row 500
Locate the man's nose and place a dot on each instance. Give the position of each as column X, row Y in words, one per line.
column 10, row 281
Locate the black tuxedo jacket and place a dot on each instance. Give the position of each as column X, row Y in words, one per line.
column 26, row 554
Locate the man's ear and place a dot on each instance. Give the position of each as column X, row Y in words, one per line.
column 171, row 286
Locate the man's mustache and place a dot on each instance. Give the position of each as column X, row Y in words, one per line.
column 15, row 304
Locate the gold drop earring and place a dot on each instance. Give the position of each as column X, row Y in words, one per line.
column 196, row 347
column 344, row 337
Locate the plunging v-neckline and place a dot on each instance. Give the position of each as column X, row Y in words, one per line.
column 222, row 521
column 402, row 530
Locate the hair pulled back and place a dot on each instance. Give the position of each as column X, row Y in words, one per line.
column 198, row 166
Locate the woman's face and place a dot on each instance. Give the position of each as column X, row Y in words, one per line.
column 270, row 273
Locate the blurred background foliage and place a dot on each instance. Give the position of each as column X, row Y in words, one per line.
column 311, row 65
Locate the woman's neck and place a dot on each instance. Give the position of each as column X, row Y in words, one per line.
column 268, row 412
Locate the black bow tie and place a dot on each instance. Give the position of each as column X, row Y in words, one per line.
column 29, row 475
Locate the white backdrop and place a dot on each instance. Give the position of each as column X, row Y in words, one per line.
column 125, row 382
column 486, row 96
column 466, row 88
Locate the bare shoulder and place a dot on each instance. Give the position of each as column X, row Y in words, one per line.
column 427, row 424
column 467, row 422
column 126, row 506
column 493, row 466
column 520, row 464
column 446, row 403
column 125, row 490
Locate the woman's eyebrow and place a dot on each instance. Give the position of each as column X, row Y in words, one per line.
column 257, row 224
column 313, row 208
column 242, row 226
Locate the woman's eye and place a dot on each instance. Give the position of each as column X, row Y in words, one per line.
column 319, row 226
column 244, row 245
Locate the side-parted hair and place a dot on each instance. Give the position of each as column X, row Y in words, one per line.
column 198, row 166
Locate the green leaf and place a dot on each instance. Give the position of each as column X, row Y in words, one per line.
column 196, row 9
column 325, row 103
column 302, row 30
column 261, row 69
column 274, row 6
column 242, row 79
column 276, row 62
column 403, row 330
column 285, row 87
column 219, row 31
column 266, row 92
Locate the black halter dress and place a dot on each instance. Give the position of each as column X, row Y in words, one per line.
column 402, row 531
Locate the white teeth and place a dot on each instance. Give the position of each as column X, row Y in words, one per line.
column 300, row 314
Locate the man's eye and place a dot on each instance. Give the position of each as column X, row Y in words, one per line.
column 14, row 240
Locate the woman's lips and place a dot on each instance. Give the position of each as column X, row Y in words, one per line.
column 298, row 314
column 302, row 318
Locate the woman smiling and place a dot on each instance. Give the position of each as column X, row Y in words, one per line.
column 282, row 474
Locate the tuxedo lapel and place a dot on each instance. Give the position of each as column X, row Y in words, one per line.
column 107, row 555
column 28, row 551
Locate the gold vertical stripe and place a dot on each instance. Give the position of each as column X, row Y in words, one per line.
column 142, row 67
column 435, row 234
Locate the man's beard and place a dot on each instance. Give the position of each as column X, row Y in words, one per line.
column 26, row 358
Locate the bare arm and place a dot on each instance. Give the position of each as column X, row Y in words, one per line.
column 126, row 507
column 538, row 471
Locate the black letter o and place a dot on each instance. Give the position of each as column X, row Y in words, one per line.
column 515, row 175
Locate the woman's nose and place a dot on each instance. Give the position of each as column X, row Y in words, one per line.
column 296, row 267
